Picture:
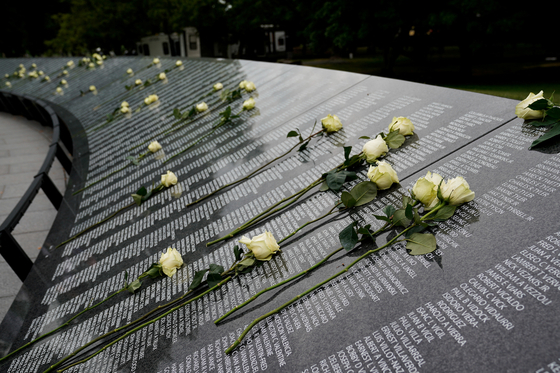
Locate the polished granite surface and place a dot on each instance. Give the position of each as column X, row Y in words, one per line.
column 484, row 301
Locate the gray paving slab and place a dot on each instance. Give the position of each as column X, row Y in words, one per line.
column 23, row 147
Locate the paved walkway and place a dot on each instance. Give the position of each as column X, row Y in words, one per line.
column 23, row 147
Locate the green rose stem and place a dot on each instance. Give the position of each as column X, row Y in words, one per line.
column 221, row 123
column 53, row 367
column 275, row 311
column 140, row 158
column 227, row 275
column 254, row 172
column 154, row 191
column 173, row 128
column 145, row 274
column 302, row 273
column 61, row 326
column 273, row 209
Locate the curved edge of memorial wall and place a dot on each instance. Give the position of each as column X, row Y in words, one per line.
column 66, row 130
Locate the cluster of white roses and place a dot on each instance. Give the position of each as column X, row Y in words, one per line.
column 247, row 85
column 151, row 99
column 125, row 109
column 454, row 192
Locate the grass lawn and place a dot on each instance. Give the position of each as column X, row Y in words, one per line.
column 509, row 79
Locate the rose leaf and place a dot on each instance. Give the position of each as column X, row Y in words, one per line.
column 364, row 192
column 421, row 243
column 348, row 237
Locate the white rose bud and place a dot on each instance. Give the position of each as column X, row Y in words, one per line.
column 456, row 191
column 179, row 63
column 218, row 86
column 70, row 63
column 331, row 123
column 47, row 79
column 249, row 104
column 154, row 146
column 125, row 109
column 124, row 104
column 92, row 88
column 63, row 82
column 58, row 89
column 250, row 86
column 168, row 179
column 522, row 109
column 162, row 76
column 374, row 149
column 425, row 190
column 403, row 125
column 41, row 72
column 91, row 65
column 262, row 246
column 33, row 65
column 383, row 175
column 201, row 107
column 138, row 82
column 8, row 84
column 129, row 71
column 147, row 101
column 242, row 84
column 65, row 72
column 155, row 61
column 170, row 261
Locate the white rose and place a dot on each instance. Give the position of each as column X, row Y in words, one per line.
column 125, row 109
column 168, row 179
column 92, row 88
column 242, row 84
column 374, row 149
column 262, row 246
column 58, row 89
column 33, row 65
column 218, row 86
column 522, row 109
column 383, row 175
column 403, row 125
column 124, row 104
column 201, row 107
column 249, row 104
column 456, row 191
column 70, row 63
column 162, row 76
column 41, row 72
column 63, row 82
column 425, row 190
column 155, row 61
column 99, row 62
column 129, row 71
column 138, row 82
column 91, row 65
column 151, row 99
column 250, row 86
column 170, row 261
column 47, row 79
column 154, row 146
column 8, row 75
column 8, row 84
column 65, row 72
column 331, row 123
column 179, row 63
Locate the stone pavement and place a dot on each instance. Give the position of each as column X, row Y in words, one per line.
column 23, row 147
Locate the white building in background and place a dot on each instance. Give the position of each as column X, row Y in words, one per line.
column 184, row 44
